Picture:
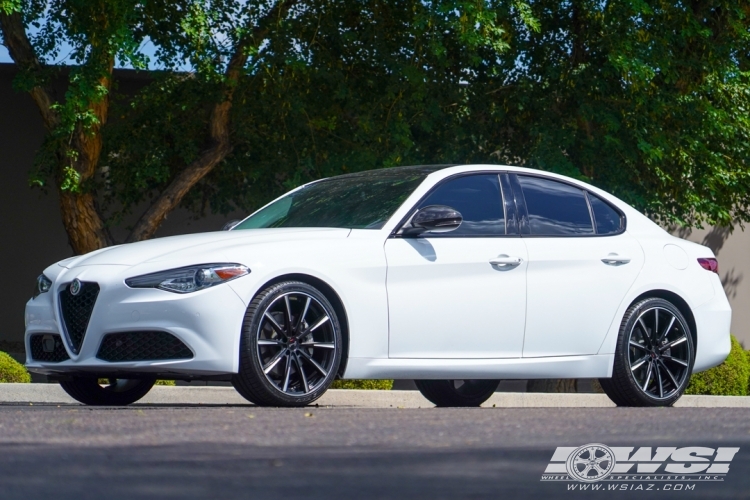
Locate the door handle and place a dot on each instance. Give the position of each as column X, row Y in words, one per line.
column 506, row 261
column 615, row 260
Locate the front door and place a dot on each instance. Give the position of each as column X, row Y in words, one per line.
column 460, row 294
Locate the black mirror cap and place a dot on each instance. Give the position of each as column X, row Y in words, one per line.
column 435, row 219
column 229, row 225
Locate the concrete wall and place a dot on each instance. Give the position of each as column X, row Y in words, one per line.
column 32, row 236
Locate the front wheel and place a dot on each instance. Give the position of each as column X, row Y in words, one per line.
column 290, row 349
column 459, row 393
column 654, row 356
column 106, row 392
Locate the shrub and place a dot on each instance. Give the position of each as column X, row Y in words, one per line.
column 381, row 385
column 11, row 371
column 731, row 378
column 165, row 382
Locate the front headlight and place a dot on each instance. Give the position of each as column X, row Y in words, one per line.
column 189, row 279
column 43, row 284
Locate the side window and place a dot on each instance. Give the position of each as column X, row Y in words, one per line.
column 478, row 198
column 555, row 208
column 606, row 218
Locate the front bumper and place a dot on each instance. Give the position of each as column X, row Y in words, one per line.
column 208, row 322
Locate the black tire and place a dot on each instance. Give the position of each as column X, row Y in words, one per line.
column 654, row 356
column 118, row 392
column 285, row 359
column 457, row 393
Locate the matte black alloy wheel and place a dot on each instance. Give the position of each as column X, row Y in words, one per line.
column 654, row 358
column 460, row 393
column 291, row 346
column 107, row 392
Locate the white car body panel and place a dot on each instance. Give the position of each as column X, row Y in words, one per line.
column 572, row 294
column 380, row 279
column 447, row 301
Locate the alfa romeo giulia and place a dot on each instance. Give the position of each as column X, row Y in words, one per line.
column 453, row 276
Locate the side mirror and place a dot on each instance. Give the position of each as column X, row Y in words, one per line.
column 229, row 225
column 435, row 219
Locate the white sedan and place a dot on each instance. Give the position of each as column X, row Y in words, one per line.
column 455, row 276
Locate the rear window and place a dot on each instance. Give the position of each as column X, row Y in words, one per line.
column 607, row 219
column 555, row 208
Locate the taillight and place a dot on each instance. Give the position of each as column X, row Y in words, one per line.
column 709, row 265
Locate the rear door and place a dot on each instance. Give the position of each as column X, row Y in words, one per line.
column 581, row 264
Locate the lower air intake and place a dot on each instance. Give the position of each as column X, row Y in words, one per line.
column 142, row 346
column 48, row 347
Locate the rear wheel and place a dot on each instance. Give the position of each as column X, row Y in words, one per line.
column 290, row 348
column 654, row 356
column 113, row 392
column 461, row 393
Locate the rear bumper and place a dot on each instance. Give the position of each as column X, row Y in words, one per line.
column 713, row 321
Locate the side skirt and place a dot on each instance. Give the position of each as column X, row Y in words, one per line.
column 590, row 366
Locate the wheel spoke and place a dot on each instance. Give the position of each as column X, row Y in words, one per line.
column 326, row 345
column 635, row 344
column 644, row 331
column 666, row 331
column 655, row 333
column 314, row 363
column 287, row 373
column 275, row 325
column 302, row 373
column 288, row 315
column 659, row 381
column 673, row 343
column 269, row 342
column 639, row 363
column 648, row 376
column 274, row 361
column 301, row 319
column 670, row 358
column 669, row 374
column 317, row 325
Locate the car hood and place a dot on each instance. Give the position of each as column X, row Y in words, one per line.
column 202, row 245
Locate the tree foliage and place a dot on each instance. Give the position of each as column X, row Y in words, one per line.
column 645, row 98
column 266, row 56
column 648, row 99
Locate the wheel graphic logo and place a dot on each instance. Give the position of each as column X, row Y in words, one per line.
column 75, row 287
column 591, row 462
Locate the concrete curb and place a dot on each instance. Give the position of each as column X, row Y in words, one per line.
column 341, row 398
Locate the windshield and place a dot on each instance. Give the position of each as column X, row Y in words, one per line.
column 363, row 200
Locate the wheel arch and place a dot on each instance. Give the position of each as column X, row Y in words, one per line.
column 680, row 304
column 335, row 300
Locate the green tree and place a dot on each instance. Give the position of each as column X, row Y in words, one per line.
column 277, row 93
column 648, row 99
column 101, row 32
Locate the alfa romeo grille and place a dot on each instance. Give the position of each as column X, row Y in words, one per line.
column 76, row 311
column 142, row 346
column 48, row 347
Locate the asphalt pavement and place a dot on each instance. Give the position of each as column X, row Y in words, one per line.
column 66, row 451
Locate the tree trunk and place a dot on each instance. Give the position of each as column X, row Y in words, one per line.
column 81, row 218
column 219, row 131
